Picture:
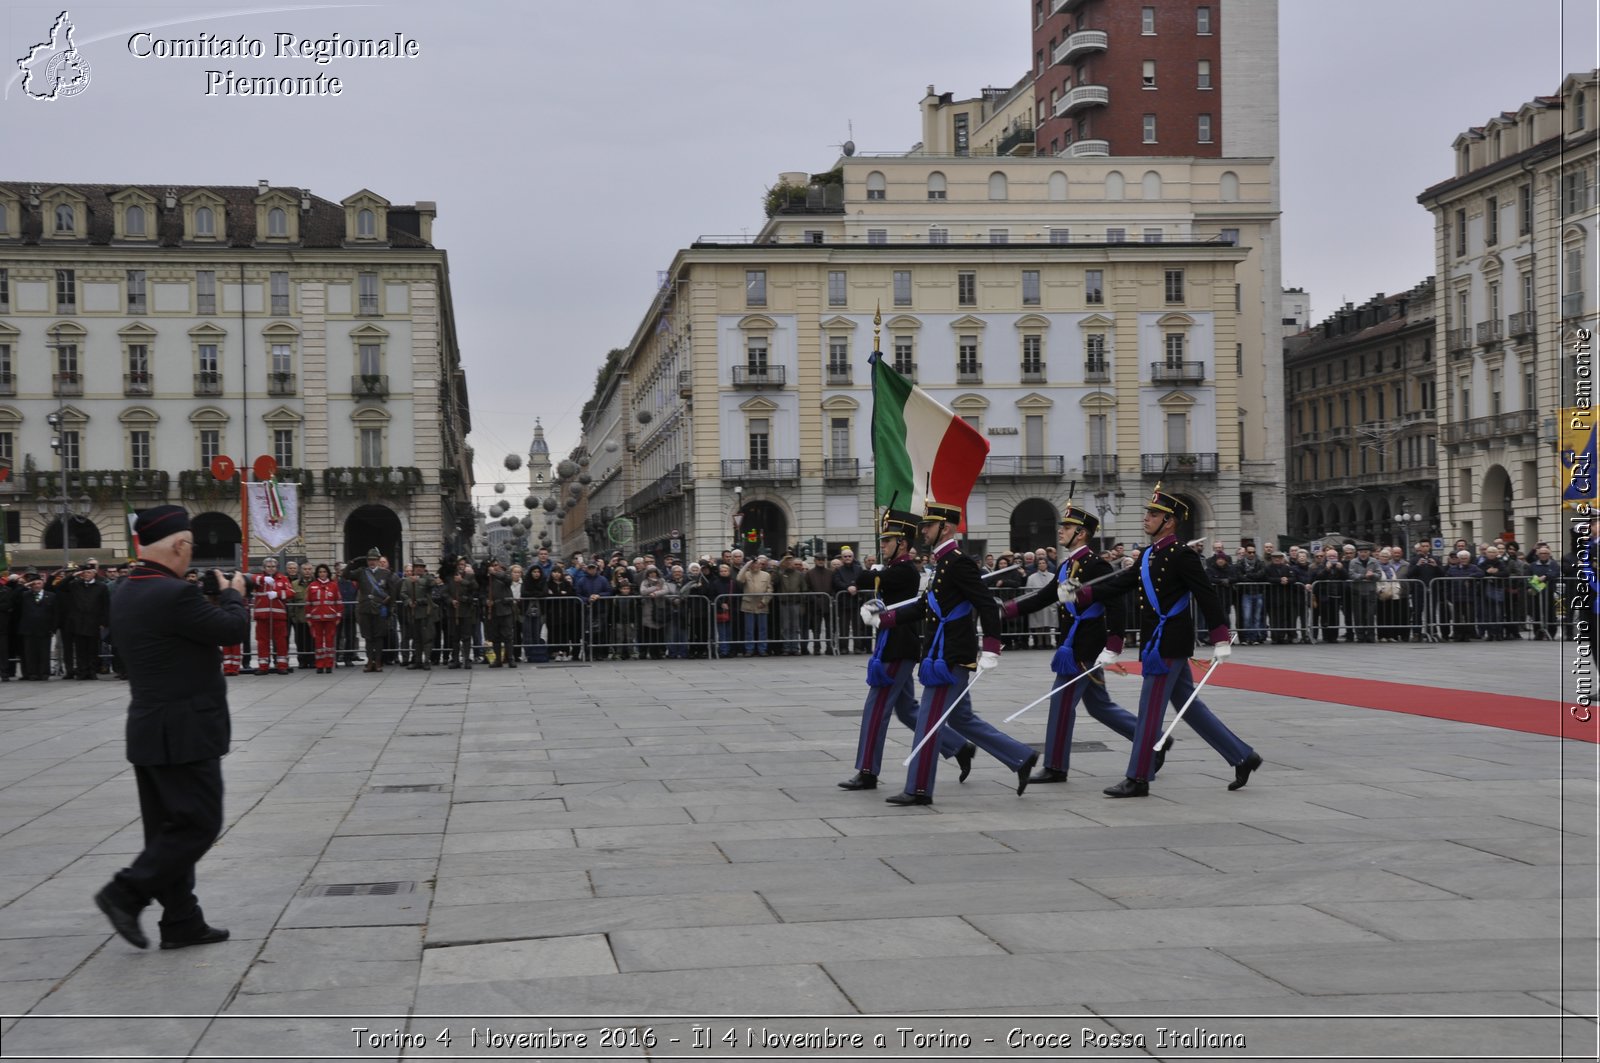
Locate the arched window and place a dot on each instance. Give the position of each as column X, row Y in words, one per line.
column 277, row 222
column 877, row 187
column 1058, row 186
column 65, row 221
column 366, row 223
column 937, row 188
column 1230, row 187
column 997, row 185
column 134, row 221
column 205, row 223
column 1151, row 185
column 1114, row 185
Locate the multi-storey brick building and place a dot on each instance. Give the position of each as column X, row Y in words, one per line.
column 1362, row 428
column 146, row 330
column 1514, row 243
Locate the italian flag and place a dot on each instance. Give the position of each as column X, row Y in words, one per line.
column 920, row 449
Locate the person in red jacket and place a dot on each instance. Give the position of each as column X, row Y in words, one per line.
column 323, row 611
column 269, row 607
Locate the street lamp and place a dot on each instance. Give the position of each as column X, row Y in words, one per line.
column 1405, row 520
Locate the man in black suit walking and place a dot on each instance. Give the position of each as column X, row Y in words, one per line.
column 178, row 727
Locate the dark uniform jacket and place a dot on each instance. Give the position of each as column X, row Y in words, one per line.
column 1175, row 570
column 375, row 587
column 1091, row 636
column 955, row 580
column 171, row 638
column 497, row 601
column 88, row 607
column 40, row 614
column 416, row 594
column 896, row 582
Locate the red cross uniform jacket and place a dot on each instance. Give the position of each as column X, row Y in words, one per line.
column 271, row 595
column 1175, row 570
column 322, row 600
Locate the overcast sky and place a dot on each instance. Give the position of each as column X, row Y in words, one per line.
column 573, row 147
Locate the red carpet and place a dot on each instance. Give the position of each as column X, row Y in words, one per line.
column 1541, row 716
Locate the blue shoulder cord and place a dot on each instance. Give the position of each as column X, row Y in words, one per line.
column 1065, row 663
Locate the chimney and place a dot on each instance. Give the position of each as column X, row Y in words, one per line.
column 262, row 186
column 427, row 210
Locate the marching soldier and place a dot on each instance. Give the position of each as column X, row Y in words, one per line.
column 422, row 607
column 951, row 655
column 1083, row 640
column 1168, row 575
column 890, row 670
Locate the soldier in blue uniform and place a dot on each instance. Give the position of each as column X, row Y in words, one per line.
column 891, row 670
column 1083, row 645
column 1167, row 576
column 950, row 655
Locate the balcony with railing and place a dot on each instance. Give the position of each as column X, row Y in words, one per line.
column 841, row 470
column 1018, row 140
column 1411, row 417
column 1078, row 44
column 66, row 384
column 1025, row 466
column 1489, row 332
column 1082, row 98
column 1033, row 373
column 969, row 372
column 208, row 382
column 1098, row 465
column 1058, row 6
column 281, row 384
column 134, row 384
column 907, row 370
column 768, row 470
column 759, row 376
column 1085, row 149
column 1522, row 323
column 1510, row 426
column 838, row 374
column 1096, row 371
column 1572, row 304
column 1458, row 339
column 685, row 383
column 1178, row 464
column 370, row 385
column 8, row 383
column 662, row 489
column 1178, row 372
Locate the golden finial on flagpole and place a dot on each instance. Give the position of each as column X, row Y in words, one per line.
column 877, row 322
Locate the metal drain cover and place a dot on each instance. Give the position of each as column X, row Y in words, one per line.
column 361, row 889
column 417, row 788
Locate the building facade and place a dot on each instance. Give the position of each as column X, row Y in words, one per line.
column 1514, row 243
column 1362, row 423
column 147, row 330
column 1158, row 78
column 1092, row 323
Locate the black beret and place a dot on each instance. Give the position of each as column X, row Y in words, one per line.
column 153, row 525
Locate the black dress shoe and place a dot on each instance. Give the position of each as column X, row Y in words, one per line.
column 1049, row 775
column 1024, row 773
column 909, row 799
column 1128, row 788
column 210, row 936
column 1241, row 772
column 964, row 757
column 114, row 902
column 1161, row 754
column 861, row 780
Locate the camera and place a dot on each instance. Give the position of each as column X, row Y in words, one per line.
column 209, row 583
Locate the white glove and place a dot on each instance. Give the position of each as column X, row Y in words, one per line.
column 987, row 660
column 869, row 614
column 1221, row 650
column 269, row 595
column 1066, row 591
column 1107, row 658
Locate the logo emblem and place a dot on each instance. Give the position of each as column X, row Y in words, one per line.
column 55, row 69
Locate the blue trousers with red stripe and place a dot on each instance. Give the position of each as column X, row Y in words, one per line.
column 984, row 735
column 899, row 699
column 1063, row 711
column 1175, row 688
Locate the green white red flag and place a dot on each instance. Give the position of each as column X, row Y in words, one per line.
column 920, row 449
